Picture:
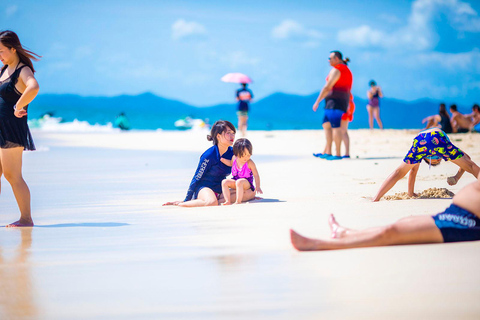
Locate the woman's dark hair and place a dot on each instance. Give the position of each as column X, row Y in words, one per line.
column 443, row 110
column 372, row 83
column 219, row 127
column 339, row 55
column 453, row 107
column 10, row 40
column 240, row 145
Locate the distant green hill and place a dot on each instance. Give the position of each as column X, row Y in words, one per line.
column 278, row 111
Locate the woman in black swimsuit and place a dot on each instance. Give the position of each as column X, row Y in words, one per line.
column 18, row 88
column 440, row 120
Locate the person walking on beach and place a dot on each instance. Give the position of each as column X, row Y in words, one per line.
column 459, row 222
column 336, row 93
column 206, row 186
column 432, row 146
column 244, row 98
column 18, row 87
column 440, row 120
column 373, row 107
column 244, row 171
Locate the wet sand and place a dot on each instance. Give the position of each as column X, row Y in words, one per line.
column 105, row 248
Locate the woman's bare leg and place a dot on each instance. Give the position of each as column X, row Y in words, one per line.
column 411, row 230
column 370, row 116
column 242, row 124
column 376, row 114
column 327, row 128
column 11, row 160
column 346, row 138
column 206, row 197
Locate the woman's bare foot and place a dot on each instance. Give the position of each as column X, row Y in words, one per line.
column 302, row 243
column 337, row 230
column 20, row 223
column 226, row 203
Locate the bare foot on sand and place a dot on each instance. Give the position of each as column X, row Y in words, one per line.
column 20, row 223
column 302, row 243
column 337, row 230
column 226, row 203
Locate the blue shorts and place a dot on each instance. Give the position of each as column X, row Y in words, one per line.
column 334, row 116
column 457, row 224
column 434, row 143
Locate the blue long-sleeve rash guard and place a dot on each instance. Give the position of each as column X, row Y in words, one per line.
column 210, row 172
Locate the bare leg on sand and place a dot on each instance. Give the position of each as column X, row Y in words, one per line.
column 11, row 167
column 411, row 230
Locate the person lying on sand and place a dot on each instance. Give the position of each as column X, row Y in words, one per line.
column 432, row 146
column 459, row 222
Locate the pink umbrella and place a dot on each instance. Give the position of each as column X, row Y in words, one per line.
column 236, row 78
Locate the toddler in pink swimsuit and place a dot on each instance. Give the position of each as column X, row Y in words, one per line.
column 243, row 172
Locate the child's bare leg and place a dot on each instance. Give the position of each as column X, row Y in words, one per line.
column 227, row 184
column 411, row 230
column 241, row 185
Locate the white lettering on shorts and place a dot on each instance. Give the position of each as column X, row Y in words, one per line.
column 470, row 223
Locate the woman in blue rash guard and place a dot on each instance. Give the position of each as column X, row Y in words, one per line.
column 206, row 186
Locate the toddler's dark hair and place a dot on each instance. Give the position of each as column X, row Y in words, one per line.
column 240, row 145
column 219, row 127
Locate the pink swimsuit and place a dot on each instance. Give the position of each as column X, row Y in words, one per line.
column 243, row 173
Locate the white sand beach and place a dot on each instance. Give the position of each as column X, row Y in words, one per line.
column 104, row 247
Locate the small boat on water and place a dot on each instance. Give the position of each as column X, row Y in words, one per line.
column 189, row 123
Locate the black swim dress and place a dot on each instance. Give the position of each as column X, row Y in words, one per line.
column 14, row 132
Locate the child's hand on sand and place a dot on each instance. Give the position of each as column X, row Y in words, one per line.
column 452, row 181
column 259, row 190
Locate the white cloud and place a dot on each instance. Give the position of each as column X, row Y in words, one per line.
column 452, row 61
column 419, row 33
column 363, row 36
column 238, row 59
column 10, row 10
column 183, row 29
column 292, row 30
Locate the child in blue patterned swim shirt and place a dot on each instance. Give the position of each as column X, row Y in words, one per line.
column 431, row 146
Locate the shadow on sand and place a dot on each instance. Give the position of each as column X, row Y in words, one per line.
column 378, row 158
column 262, row 200
column 84, row 224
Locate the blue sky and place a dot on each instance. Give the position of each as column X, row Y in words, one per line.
column 181, row 49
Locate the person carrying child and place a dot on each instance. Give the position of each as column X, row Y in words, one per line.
column 244, row 172
column 432, row 146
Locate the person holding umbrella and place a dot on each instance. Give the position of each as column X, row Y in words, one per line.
column 244, row 97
